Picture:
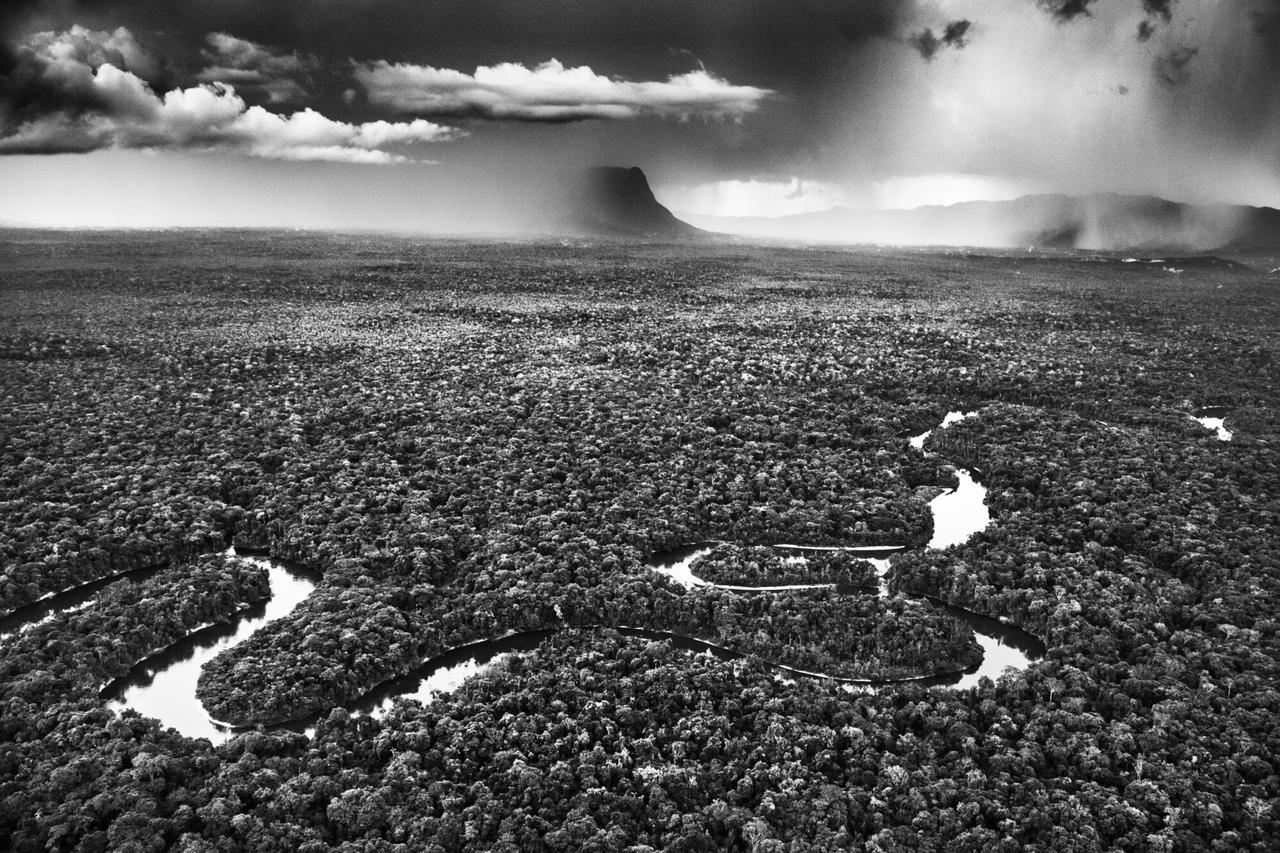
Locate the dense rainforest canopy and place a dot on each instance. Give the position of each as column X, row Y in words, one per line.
column 466, row 440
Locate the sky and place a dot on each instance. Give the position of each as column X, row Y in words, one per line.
column 461, row 115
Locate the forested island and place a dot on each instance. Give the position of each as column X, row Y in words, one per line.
column 462, row 441
column 758, row 565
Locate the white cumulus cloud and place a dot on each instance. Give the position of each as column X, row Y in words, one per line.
column 84, row 102
column 80, row 45
column 550, row 92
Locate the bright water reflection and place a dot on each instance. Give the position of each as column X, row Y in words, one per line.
column 164, row 685
column 957, row 516
column 959, row 513
column 1215, row 424
column 678, row 565
column 69, row 600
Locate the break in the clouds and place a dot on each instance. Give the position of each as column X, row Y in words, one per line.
column 550, row 92
column 81, row 90
column 279, row 77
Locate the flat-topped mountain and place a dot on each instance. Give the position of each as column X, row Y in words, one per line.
column 613, row 201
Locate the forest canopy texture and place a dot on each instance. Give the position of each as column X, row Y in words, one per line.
column 465, row 440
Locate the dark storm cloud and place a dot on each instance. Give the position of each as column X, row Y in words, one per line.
column 768, row 39
column 13, row 13
column 1065, row 10
column 1157, row 11
column 276, row 76
column 664, row 60
column 45, row 72
column 858, row 22
column 1068, row 10
column 953, row 35
column 840, row 94
column 837, row 71
column 692, row 59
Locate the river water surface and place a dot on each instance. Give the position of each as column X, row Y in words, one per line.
column 46, row 607
column 164, row 685
column 957, row 515
column 1214, row 418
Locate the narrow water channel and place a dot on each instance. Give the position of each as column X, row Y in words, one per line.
column 164, row 685
column 45, row 608
column 1003, row 645
column 957, row 515
column 678, row 565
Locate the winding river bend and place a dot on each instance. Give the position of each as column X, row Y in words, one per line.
column 46, row 607
column 957, row 515
column 164, row 685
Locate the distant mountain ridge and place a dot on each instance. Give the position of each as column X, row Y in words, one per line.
column 1101, row 221
column 614, row 201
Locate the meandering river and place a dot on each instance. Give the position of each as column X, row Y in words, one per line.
column 164, row 685
column 957, row 515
